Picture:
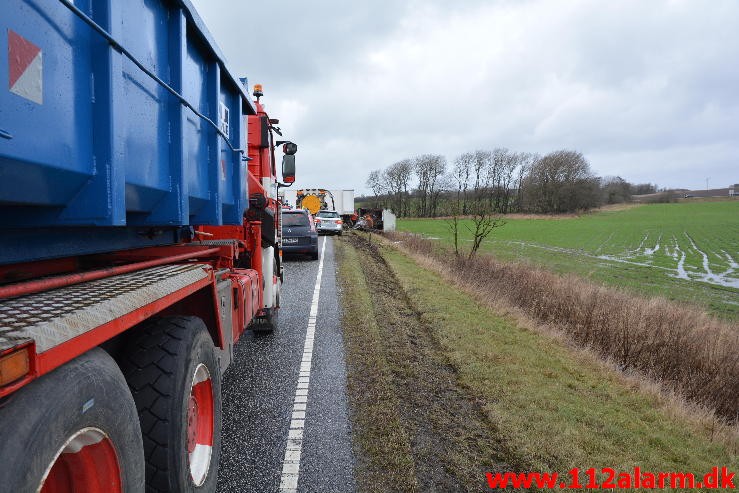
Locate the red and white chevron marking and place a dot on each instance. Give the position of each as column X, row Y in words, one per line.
column 25, row 68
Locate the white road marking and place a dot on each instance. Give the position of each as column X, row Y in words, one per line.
column 291, row 462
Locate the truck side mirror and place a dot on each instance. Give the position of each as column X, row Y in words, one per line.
column 288, row 168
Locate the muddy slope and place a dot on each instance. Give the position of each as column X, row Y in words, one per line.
column 451, row 440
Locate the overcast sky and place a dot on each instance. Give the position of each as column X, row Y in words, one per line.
column 647, row 90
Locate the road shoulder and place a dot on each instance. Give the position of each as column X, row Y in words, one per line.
column 416, row 427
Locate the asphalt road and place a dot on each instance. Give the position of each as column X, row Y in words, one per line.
column 260, row 386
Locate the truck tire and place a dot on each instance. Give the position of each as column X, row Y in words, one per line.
column 314, row 255
column 75, row 429
column 174, row 376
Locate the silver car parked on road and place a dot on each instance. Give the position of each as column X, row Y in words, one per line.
column 329, row 222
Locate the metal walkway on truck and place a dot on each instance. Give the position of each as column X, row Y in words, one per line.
column 53, row 317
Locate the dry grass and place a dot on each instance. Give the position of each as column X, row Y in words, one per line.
column 617, row 207
column 682, row 349
column 700, row 417
column 556, row 216
column 519, row 215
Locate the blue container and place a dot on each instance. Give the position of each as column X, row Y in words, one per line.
column 88, row 139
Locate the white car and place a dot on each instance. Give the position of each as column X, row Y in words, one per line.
column 329, row 222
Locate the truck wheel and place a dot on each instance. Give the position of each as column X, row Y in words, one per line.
column 172, row 370
column 314, row 255
column 74, row 429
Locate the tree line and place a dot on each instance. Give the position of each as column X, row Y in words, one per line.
column 497, row 181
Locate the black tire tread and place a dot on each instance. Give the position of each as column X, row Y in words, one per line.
column 150, row 372
column 37, row 419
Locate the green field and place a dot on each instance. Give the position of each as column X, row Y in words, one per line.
column 687, row 252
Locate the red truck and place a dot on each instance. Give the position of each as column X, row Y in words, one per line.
column 140, row 240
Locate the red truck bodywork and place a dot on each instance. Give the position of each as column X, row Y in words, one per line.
column 126, row 223
column 245, row 242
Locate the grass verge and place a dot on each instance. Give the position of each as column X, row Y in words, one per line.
column 405, row 393
column 679, row 347
column 545, row 405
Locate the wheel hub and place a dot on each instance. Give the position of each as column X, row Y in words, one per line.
column 86, row 462
column 200, row 424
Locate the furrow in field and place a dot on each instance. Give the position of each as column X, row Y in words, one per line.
column 722, row 279
column 652, row 251
column 681, row 274
column 678, row 255
column 607, row 242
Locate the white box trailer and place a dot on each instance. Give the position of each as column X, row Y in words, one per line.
column 342, row 201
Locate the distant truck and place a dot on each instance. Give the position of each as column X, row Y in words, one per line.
column 317, row 199
column 140, row 238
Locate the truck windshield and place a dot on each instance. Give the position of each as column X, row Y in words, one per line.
column 295, row 219
column 327, row 214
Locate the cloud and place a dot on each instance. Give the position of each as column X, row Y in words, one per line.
column 646, row 90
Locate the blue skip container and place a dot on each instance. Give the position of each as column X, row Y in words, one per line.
column 120, row 126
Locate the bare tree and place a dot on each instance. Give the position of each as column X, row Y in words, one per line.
column 397, row 177
column 483, row 223
column 526, row 161
column 500, row 170
column 460, row 176
column 461, row 173
column 561, row 181
column 643, row 188
column 377, row 183
column 480, row 166
column 444, row 185
column 615, row 190
column 428, row 169
column 453, row 225
column 493, row 171
column 495, row 175
column 405, row 174
column 394, row 188
column 517, row 161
